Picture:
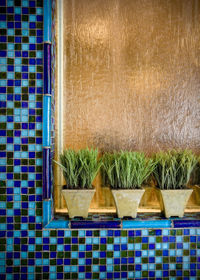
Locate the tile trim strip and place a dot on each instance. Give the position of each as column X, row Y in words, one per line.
column 46, row 173
column 47, row 204
column 47, row 20
column 185, row 223
column 46, row 211
column 47, row 68
column 146, row 224
column 58, row 224
column 46, row 121
column 95, row 224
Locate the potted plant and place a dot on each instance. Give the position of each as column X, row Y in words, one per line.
column 125, row 172
column 79, row 170
column 172, row 173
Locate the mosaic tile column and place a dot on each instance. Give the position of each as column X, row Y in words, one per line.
column 47, row 109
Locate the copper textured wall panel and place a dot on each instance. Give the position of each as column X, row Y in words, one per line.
column 132, row 74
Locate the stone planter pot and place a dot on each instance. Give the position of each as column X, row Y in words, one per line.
column 173, row 202
column 127, row 202
column 78, row 202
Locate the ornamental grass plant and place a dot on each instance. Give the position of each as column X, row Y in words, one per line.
column 79, row 168
column 173, row 169
column 126, row 170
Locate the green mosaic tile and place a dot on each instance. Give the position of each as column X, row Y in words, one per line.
column 172, row 259
column 95, row 261
column 131, row 267
column 95, row 276
column 88, row 254
column 67, row 255
column 38, row 233
column 16, row 269
column 45, row 255
column 145, row 260
column 95, row 247
column 60, row 268
column 74, row 261
column 192, row 245
column 88, row 268
column 172, row 245
column 102, row 247
column 144, row 246
column 123, row 254
column 109, row 254
column 116, row 267
column 186, row 273
column 137, row 239
column 193, row 259
column 144, row 273
column 158, row 253
column 123, row 233
column 172, row 272
column 102, row 261
column 38, row 248
column 24, row 262
column 124, row 267
column 131, row 240
column 110, row 240
column 38, row 269
column 158, row 239
column 52, row 262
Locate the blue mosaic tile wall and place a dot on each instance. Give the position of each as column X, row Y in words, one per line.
column 27, row 251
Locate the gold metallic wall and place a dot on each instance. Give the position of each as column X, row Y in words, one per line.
column 132, row 74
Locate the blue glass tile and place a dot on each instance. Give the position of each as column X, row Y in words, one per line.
column 95, row 224
column 186, row 223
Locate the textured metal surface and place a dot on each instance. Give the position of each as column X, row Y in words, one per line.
column 132, row 74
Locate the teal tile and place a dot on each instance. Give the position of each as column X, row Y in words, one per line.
column 116, row 240
column 81, row 276
column 138, row 246
column 53, row 276
column 144, row 253
column 38, row 261
column 110, row 247
column 25, row 3
column 17, row 10
column 158, row 260
column 145, row 267
column 172, row 253
column 137, row 260
column 66, row 269
column 95, row 254
column 130, row 246
column 74, row 255
column 137, row 274
column 88, row 240
column 24, row 255
column 81, row 261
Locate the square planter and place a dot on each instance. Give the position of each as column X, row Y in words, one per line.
column 78, row 202
column 173, row 202
column 127, row 202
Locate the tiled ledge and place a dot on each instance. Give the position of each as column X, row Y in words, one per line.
column 142, row 221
